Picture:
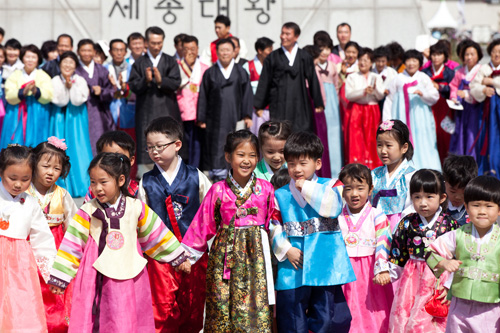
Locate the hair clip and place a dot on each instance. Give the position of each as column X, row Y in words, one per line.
column 387, row 125
column 58, row 143
column 13, row 145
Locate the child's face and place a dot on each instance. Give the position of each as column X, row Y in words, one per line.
column 356, row 194
column 483, row 214
column 455, row 195
column 412, row 65
column 437, row 60
column 388, row 149
column 105, row 188
column 427, row 204
column 114, row 148
column 47, row 172
column 303, row 167
column 166, row 149
column 364, row 64
column 325, row 53
column 272, row 150
column 380, row 63
column 16, row 178
column 243, row 160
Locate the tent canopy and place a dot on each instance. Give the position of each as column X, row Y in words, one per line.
column 442, row 19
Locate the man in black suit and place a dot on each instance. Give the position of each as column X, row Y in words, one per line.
column 344, row 36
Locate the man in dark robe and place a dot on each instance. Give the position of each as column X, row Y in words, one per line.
column 64, row 44
column 225, row 98
column 154, row 79
column 283, row 86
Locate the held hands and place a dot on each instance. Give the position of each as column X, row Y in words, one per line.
column 296, row 257
column 461, row 93
column 185, row 267
column 369, row 90
column 56, row 290
column 451, row 265
column 157, row 75
column 488, row 91
column 30, row 87
column 96, row 90
column 149, row 75
column 319, row 110
column 68, row 82
column 443, row 295
column 382, row 278
column 112, row 80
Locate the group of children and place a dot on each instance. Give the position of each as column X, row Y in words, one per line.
column 372, row 251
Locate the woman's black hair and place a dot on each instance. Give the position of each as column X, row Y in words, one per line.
column 15, row 154
column 13, row 43
column 467, row 44
column 280, row 178
column 381, row 52
column 483, row 188
column 366, row 51
column 34, row 49
column 47, row 148
column 47, row 47
column 440, row 48
column 234, row 139
column 353, row 44
column 72, row 55
column 401, row 133
column 322, row 39
column 414, row 54
column 278, row 130
column 428, row 181
column 358, row 172
column 492, row 45
column 115, row 165
column 396, row 51
column 313, row 50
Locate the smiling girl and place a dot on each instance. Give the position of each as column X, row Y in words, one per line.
column 272, row 138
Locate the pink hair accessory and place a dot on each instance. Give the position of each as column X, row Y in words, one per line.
column 58, row 143
column 387, row 125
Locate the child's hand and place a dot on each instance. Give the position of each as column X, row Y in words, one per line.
column 443, row 295
column 184, row 267
column 299, row 184
column 56, row 290
column 382, row 278
column 449, row 265
column 295, row 256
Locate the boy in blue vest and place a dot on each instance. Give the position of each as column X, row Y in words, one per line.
column 174, row 190
column 313, row 261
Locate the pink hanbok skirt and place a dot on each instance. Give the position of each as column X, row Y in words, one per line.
column 126, row 305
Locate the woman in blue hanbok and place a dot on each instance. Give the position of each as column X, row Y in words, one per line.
column 69, row 120
column 412, row 94
column 28, row 92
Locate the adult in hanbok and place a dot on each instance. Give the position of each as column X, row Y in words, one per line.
column 191, row 70
column 12, row 59
column 2, row 93
column 363, row 90
column 463, row 140
column 282, row 83
column 322, row 37
column 328, row 77
column 441, row 76
column 225, row 98
column 28, row 93
column 411, row 94
column 154, row 79
column 263, row 47
column 64, row 44
column 69, row 120
column 136, row 44
column 381, row 58
column 485, row 87
column 348, row 66
column 101, row 92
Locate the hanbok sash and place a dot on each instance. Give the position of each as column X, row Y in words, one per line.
column 407, row 105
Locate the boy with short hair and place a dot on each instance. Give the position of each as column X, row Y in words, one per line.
column 308, row 243
column 458, row 171
column 117, row 142
column 174, row 190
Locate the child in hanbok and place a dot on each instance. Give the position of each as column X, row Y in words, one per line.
column 367, row 237
column 441, row 76
column 485, row 87
column 237, row 211
column 391, row 182
column 473, row 250
column 467, row 121
column 361, row 117
column 103, row 247
column 2, row 97
column 21, row 218
column 411, row 94
column 69, row 120
column 272, row 138
column 413, row 235
column 28, row 92
column 52, row 163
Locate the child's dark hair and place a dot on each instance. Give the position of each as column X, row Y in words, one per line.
column 459, row 170
column 165, row 125
column 358, row 172
column 115, row 165
column 303, row 144
column 234, row 139
column 414, row 54
column 428, row 181
column 280, row 178
column 120, row 138
column 15, row 154
column 47, row 148
column 483, row 188
column 401, row 133
column 277, row 130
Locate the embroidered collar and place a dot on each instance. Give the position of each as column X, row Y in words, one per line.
column 296, row 193
column 116, row 210
column 43, row 200
column 397, row 173
column 170, row 180
column 237, row 186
